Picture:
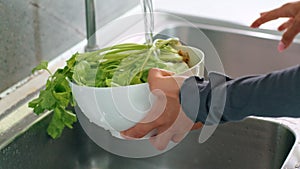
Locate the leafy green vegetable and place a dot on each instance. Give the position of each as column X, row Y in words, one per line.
column 56, row 96
column 119, row 65
column 127, row 64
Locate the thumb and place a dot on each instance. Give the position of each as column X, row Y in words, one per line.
column 158, row 79
column 155, row 73
column 161, row 83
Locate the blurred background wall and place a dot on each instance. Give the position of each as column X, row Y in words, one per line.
column 35, row 30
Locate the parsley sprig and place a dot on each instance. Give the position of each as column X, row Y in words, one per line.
column 56, row 97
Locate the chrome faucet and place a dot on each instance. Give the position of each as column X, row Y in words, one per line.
column 90, row 26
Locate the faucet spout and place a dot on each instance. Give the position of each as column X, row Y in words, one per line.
column 90, row 26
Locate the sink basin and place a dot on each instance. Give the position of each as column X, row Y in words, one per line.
column 249, row 144
column 254, row 143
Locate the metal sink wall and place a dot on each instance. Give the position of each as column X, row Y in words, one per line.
column 242, row 52
column 249, row 144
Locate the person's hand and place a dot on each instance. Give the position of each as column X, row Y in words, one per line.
column 166, row 117
column 292, row 26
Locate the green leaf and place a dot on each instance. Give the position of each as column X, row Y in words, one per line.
column 42, row 66
column 49, row 84
column 62, row 85
column 38, row 109
column 48, row 100
column 60, row 119
column 56, row 124
column 68, row 118
column 63, row 98
column 34, row 102
column 71, row 62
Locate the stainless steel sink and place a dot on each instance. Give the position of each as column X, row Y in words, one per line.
column 249, row 144
column 255, row 143
column 242, row 52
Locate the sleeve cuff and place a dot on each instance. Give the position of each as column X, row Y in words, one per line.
column 196, row 98
column 191, row 100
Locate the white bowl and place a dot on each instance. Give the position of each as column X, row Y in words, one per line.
column 120, row 108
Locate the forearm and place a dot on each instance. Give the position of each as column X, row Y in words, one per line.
column 276, row 94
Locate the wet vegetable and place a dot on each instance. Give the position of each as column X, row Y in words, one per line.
column 119, row 65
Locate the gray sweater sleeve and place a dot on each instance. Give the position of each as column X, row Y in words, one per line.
column 222, row 99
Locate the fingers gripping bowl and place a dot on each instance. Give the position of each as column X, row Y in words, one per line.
column 110, row 85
